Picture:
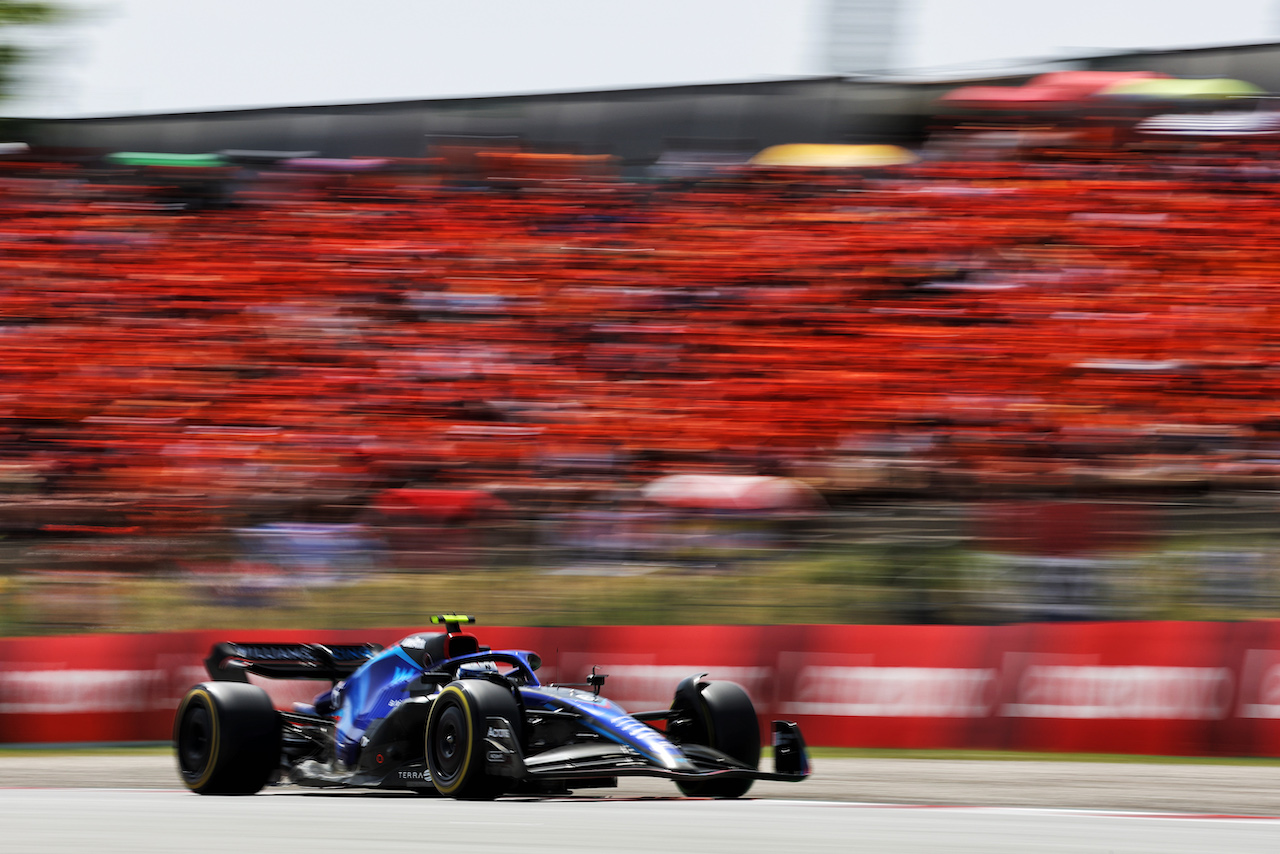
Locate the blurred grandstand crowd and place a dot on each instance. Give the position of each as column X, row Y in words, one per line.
column 284, row 347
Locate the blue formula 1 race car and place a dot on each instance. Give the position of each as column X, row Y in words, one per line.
column 439, row 714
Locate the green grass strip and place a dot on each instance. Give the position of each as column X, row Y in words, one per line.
column 150, row 748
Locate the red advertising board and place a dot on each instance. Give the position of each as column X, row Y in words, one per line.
column 887, row 686
column 1149, row 687
column 108, row 688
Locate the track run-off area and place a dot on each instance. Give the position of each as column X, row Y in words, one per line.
column 52, row 803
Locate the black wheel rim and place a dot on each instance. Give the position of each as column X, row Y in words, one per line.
column 193, row 740
column 448, row 743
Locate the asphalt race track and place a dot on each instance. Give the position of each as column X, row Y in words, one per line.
column 1217, row 789
column 106, row 803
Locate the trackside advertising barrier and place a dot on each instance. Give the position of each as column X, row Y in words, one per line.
column 1175, row 688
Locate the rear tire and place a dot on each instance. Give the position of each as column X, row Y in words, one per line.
column 719, row 715
column 227, row 738
column 455, row 739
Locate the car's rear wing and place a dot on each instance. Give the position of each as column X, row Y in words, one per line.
column 233, row 662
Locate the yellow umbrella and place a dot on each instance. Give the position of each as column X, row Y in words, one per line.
column 1173, row 87
column 833, row 156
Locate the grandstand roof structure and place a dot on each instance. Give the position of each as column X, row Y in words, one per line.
column 637, row 125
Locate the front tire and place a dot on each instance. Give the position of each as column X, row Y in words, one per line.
column 227, row 738
column 455, row 739
column 719, row 715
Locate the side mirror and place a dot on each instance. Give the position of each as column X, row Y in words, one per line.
column 596, row 681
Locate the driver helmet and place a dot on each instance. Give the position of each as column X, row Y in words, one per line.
column 476, row 669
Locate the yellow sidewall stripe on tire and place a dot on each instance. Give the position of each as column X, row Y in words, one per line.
column 213, row 737
column 466, row 758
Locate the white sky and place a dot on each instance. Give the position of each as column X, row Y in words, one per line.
column 146, row 56
column 945, row 32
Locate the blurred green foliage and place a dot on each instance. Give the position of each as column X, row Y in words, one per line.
column 868, row 567
column 858, row 585
column 18, row 14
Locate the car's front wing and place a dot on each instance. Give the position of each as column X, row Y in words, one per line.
column 594, row 759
